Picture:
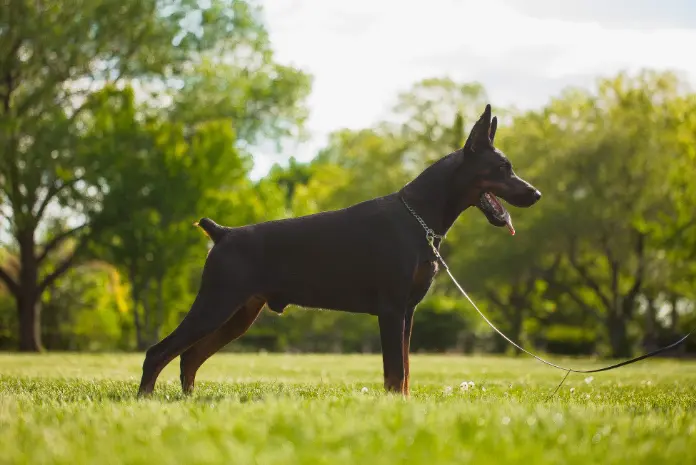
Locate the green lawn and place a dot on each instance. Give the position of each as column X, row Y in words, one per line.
column 287, row 409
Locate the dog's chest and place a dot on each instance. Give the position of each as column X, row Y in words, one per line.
column 422, row 279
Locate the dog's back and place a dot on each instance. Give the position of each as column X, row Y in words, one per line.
column 324, row 260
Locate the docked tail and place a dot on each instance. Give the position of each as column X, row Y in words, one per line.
column 211, row 229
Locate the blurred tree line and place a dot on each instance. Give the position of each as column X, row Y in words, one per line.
column 123, row 122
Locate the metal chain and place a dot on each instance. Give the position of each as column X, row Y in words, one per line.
column 430, row 235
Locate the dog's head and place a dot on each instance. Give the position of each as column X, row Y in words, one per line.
column 493, row 175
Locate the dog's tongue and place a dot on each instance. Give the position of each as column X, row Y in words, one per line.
column 508, row 220
column 506, row 214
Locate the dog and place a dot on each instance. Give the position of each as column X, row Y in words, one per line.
column 376, row 257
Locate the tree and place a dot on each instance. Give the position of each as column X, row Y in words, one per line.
column 354, row 166
column 431, row 116
column 54, row 59
column 604, row 186
column 51, row 54
column 162, row 183
column 288, row 178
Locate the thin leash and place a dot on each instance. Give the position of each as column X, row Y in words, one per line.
column 430, row 236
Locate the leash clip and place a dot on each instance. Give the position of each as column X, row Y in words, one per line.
column 430, row 236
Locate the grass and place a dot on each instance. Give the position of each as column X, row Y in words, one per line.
column 312, row 409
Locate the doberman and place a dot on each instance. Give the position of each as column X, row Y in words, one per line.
column 372, row 257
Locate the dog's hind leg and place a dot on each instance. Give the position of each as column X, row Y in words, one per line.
column 211, row 309
column 197, row 354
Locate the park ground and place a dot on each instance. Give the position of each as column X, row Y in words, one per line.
column 330, row 409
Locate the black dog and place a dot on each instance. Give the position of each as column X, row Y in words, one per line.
column 373, row 257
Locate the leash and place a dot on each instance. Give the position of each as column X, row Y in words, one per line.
column 430, row 236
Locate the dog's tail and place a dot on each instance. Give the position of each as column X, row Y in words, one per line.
column 211, row 229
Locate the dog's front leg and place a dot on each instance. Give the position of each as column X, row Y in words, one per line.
column 391, row 332
column 408, row 328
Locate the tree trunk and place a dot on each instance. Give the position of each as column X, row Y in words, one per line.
column 29, row 321
column 650, row 336
column 618, row 337
column 674, row 323
column 674, row 315
column 28, row 309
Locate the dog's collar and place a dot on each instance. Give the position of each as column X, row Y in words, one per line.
column 430, row 235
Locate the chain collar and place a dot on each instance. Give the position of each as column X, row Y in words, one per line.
column 430, row 235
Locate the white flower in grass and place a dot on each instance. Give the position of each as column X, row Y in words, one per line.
column 448, row 390
column 466, row 385
column 572, row 390
column 589, row 379
column 364, row 389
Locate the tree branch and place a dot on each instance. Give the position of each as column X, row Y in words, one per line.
column 529, row 283
column 56, row 241
column 62, row 267
column 630, row 297
column 568, row 290
column 585, row 275
column 614, row 267
column 9, row 282
column 9, row 78
column 61, row 76
column 51, row 193
column 494, row 298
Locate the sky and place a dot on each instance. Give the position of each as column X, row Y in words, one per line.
column 362, row 53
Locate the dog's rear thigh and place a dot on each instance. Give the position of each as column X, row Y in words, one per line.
column 236, row 326
column 209, row 311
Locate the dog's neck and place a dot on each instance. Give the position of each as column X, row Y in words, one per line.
column 435, row 196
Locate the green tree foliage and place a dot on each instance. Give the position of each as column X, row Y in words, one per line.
column 290, row 177
column 434, row 115
column 62, row 70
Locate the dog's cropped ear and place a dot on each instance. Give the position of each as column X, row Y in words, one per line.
column 494, row 127
column 479, row 135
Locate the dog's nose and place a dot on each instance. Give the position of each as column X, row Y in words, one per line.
column 537, row 194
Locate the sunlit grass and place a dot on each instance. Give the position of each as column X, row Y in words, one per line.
column 287, row 409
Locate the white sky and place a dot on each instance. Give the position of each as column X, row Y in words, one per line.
column 363, row 52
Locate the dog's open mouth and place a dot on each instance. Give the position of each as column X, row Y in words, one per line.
column 496, row 214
